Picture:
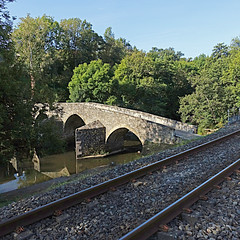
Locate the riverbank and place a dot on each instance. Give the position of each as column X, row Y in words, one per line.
column 43, row 169
column 43, row 187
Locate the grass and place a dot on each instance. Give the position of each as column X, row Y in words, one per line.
column 4, row 202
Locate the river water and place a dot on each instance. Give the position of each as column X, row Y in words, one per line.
column 64, row 164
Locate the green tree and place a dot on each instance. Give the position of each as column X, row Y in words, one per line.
column 235, row 44
column 78, row 44
column 231, row 81
column 113, row 50
column 216, row 91
column 51, row 50
column 92, row 82
column 36, row 41
column 138, row 87
column 15, row 97
column 173, row 71
column 165, row 54
column 78, row 41
column 200, row 61
column 220, row 50
column 48, row 139
column 175, row 75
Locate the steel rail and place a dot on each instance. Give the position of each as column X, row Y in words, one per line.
column 9, row 225
column 151, row 226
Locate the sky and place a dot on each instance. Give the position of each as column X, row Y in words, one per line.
column 190, row 26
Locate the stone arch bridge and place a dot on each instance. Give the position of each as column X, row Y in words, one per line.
column 117, row 121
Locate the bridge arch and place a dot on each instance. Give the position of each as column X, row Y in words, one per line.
column 40, row 117
column 73, row 121
column 117, row 139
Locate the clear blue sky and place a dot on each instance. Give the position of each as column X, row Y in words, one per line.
column 190, row 26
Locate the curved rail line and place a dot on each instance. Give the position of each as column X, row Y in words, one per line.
column 9, row 225
column 152, row 225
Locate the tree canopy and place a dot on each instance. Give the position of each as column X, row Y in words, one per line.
column 141, row 81
column 216, row 90
column 15, row 94
column 91, row 82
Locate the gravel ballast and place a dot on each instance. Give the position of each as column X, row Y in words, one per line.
column 216, row 218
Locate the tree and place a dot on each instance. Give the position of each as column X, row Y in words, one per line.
column 138, row 88
column 173, row 71
column 78, row 44
column 216, row 91
column 78, row 41
column 15, row 97
column 231, row 81
column 200, row 61
column 36, row 41
column 235, row 43
column 48, row 138
column 205, row 106
column 92, row 82
column 50, row 51
column 220, row 50
column 113, row 50
column 165, row 54
column 175, row 75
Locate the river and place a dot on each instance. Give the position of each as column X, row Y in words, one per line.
column 63, row 164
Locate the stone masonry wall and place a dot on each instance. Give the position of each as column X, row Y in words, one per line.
column 177, row 125
column 90, row 139
column 158, row 133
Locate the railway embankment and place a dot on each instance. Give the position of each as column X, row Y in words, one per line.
column 113, row 214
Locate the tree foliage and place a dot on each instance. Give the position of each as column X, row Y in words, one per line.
column 138, row 88
column 165, row 54
column 140, row 81
column 91, row 82
column 79, row 43
column 51, row 50
column 15, row 94
column 36, row 41
column 216, row 90
column 48, row 139
column 113, row 50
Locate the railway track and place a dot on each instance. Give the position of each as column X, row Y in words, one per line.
column 50, row 209
column 152, row 225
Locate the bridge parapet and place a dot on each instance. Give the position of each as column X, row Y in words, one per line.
column 177, row 125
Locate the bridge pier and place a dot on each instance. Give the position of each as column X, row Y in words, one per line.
column 90, row 139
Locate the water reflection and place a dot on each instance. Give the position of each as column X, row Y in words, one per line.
column 12, row 184
column 65, row 164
